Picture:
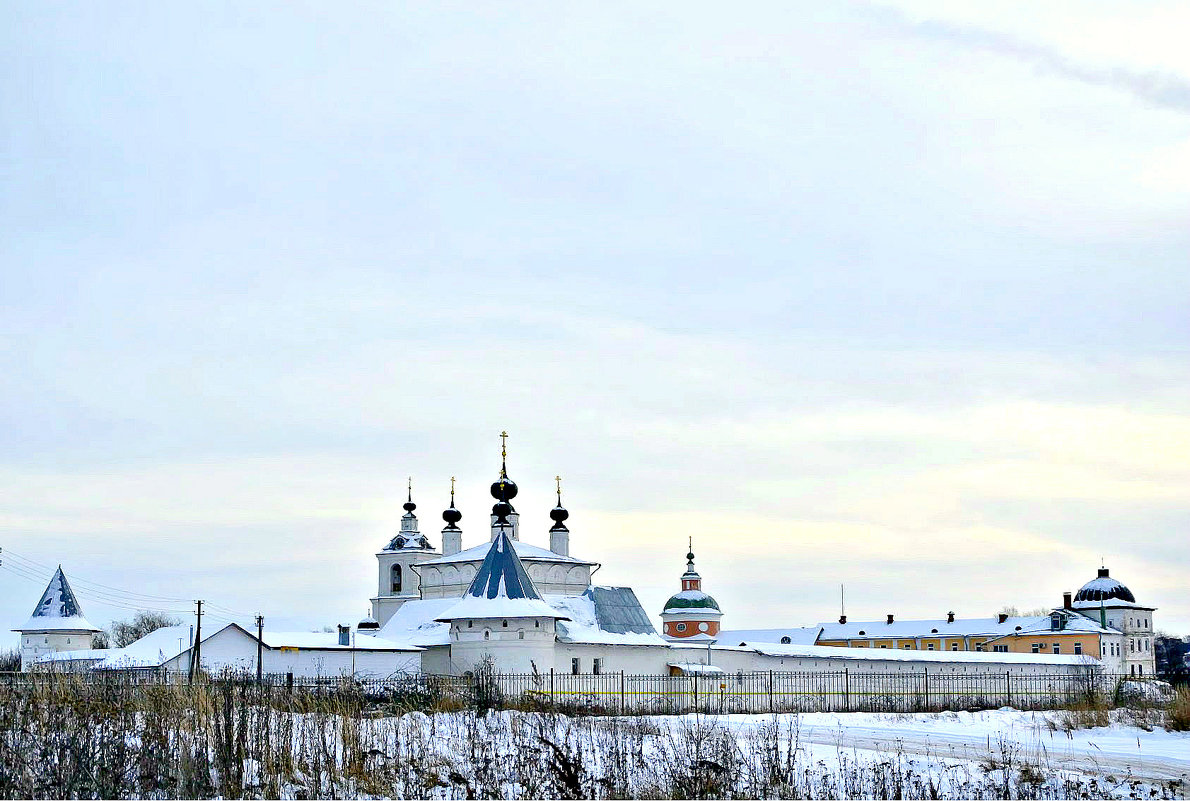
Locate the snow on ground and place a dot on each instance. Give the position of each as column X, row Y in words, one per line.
column 1038, row 737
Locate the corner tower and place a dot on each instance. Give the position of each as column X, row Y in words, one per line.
column 57, row 623
column 691, row 614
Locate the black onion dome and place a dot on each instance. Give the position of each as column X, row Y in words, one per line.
column 558, row 514
column 452, row 515
column 502, row 510
column 410, row 506
column 504, row 488
column 1104, row 588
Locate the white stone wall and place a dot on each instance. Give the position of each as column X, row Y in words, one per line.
column 35, row 645
column 550, row 578
column 232, row 650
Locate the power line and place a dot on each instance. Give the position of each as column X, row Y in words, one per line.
column 114, row 596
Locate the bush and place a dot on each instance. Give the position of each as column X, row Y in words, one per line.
column 10, row 661
column 1178, row 718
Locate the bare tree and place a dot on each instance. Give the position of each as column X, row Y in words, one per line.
column 125, row 632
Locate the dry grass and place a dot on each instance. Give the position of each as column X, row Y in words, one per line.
column 1178, row 714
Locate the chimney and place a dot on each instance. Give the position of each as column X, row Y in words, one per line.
column 1002, row 617
column 890, row 619
column 1066, row 602
column 842, row 619
column 344, row 635
column 950, row 617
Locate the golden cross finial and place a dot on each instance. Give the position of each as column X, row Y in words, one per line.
column 452, row 489
column 558, row 481
column 410, row 487
column 503, row 444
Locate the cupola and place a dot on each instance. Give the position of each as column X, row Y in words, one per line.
column 691, row 614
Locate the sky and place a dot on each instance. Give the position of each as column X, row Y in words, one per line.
column 888, row 297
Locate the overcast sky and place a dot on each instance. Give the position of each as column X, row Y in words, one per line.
column 890, row 297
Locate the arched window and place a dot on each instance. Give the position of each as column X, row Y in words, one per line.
column 487, row 635
column 396, row 578
column 784, row 641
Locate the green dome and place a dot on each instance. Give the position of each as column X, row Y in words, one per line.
column 691, row 599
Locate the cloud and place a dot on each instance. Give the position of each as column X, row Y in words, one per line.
column 1162, row 89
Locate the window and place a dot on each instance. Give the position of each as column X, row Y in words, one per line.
column 1078, row 649
column 597, row 665
column 396, row 578
column 536, row 624
column 1057, row 648
column 786, row 641
column 505, row 624
column 907, row 646
column 884, row 646
column 487, row 635
column 680, row 627
column 930, row 647
column 574, row 666
column 954, row 646
column 520, row 635
column 1002, row 649
column 979, row 647
column 1056, row 622
column 1036, row 647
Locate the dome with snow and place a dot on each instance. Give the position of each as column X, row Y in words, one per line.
column 691, row 599
column 1104, row 588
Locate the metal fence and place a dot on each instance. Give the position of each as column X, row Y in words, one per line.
column 779, row 691
column 713, row 693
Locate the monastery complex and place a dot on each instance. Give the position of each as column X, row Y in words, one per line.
column 531, row 609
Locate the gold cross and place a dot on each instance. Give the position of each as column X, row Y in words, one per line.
column 411, row 487
column 452, row 488
column 504, row 444
column 558, row 480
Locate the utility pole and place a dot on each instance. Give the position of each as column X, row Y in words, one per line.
column 196, row 651
column 259, row 648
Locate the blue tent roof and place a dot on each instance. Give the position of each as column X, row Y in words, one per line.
column 502, row 575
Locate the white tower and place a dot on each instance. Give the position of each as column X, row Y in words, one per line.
column 559, row 534
column 57, row 623
column 452, row 535
column 399, row 582
column 502, row 616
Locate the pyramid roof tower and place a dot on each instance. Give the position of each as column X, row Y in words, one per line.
column 501, row 588
column 58, row 609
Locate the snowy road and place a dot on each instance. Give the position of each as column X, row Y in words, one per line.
column 1119, row 751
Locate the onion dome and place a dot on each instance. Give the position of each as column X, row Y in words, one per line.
column 1104, row 588
column 367, row 623
column 409, row 504
column 408, row 536
column 502, row 510
column 503, row 488
column 559, row 514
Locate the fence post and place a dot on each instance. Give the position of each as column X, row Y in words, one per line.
column 623, row 693
column 1008, row 687
column 771, row 707
column 846, row 690
column 925, row 683
column 694, row 678
column 553, row 698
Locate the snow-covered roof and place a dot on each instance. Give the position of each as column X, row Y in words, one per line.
column 905, row 655
column 58, row 610
column 969, row 627
column 152, row 650
column 690, row 599
column 601, row 615
column 695, row 667
column 801, row 636
column 584, row 626
column 416, row 622
column 527, row 553
column 83, row 655
column 501, row 588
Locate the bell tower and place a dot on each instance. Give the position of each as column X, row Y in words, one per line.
column 398, row 581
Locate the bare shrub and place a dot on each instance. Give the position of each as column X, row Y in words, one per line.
column 1178, row 713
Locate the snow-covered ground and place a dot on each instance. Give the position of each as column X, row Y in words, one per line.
column 1120, row 751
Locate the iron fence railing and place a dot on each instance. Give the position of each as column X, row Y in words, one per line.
column 716, row 693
